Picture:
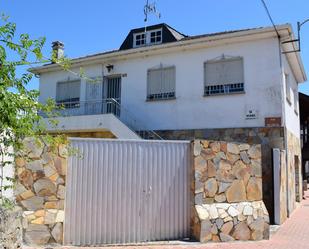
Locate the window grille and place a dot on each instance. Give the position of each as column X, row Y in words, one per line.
column 224, row 76
column 161, row 83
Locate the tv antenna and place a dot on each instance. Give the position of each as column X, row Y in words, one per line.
column 150, row 8
column 298, row 40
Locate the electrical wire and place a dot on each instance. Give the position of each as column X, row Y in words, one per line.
column 270, row 18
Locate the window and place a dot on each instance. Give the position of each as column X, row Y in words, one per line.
column 296, row 101
column 224, row 76
column 161, row 83
column 140, row 39
column 287, row 87
column 68, row 94
column 150, row 37
column 155, row 36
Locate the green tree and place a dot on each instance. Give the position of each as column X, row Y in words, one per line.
column 19, row 107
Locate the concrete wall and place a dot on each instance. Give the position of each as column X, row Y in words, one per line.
column 190, row 109
column 291, row 118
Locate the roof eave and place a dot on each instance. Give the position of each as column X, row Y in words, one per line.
column 268, row 31
column 299, row 72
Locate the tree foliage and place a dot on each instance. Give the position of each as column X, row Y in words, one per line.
column 19, row 106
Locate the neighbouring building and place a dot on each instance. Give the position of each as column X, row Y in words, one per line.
column 236, row 86
column 304, row 132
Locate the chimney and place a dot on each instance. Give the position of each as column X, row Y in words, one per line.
column 58, row 50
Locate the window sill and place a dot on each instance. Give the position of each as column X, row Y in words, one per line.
column 296, row 112
column 289, row 101
column 155, row 100
column 223, row 94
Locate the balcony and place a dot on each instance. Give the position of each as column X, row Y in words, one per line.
column 89, row 107
column 105, row 114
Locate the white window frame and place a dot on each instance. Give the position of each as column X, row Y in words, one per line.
column 135, row 39
column 155, row 31
column 163, row 95
column 147, row 38
column 295, row 91
column 224, row 88
column 287, row 84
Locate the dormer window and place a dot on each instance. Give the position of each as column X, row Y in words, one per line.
column 155, row 36
column 140, row 39
column 150, row 37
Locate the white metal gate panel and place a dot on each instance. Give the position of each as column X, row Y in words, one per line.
column 127, row 192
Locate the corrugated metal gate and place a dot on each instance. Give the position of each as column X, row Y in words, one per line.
column 127, row 192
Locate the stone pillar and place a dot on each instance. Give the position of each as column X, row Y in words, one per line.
column 10, row 229
column 228, row 192
column 40, row 191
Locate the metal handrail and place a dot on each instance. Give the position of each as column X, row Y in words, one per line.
column 139, row 130
column 105, row 106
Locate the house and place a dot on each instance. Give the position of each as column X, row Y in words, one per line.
column 234, row 86
column 304, row 118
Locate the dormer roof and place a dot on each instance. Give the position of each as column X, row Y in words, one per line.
column 168, row 35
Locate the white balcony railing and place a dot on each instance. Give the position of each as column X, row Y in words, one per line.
column 104, row 106
column 89, row 107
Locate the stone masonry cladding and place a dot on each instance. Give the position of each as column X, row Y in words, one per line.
column 228, row 192
column 294, row 186
column 10, row 228
column 267, row 137
column 40, row 191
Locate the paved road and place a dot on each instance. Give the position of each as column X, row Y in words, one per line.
column 293, row 234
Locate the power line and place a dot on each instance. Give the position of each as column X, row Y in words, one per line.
column 270, row 18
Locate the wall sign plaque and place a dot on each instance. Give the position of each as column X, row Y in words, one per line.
column 273, row 122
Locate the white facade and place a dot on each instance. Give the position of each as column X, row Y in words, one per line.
column 263, row 82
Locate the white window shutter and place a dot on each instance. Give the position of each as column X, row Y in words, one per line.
column 222, row 72
column 68, row 91
column 233, row 71
column 161, row 83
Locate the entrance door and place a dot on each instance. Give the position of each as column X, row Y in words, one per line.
column 103, row 96
column 112, row 94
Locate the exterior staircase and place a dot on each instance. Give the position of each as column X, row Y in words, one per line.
column 133, row 123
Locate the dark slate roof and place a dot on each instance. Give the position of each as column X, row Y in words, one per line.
column 218, row 33
column 168, row 34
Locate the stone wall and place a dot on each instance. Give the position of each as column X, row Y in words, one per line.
column 10, row 229
column 40, row 191
column 294, row 185
column 267, row 137
column 283, row 188
column 228, row 192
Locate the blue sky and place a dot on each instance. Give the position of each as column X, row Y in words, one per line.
column 87, row 27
